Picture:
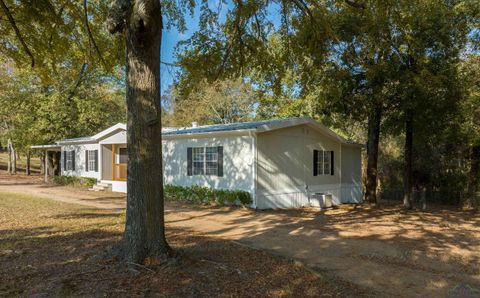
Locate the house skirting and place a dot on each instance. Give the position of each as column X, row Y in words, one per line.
column 118, row 186
column 299, row 197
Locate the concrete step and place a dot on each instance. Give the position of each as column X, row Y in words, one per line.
column 98, row 187
column 101, row 186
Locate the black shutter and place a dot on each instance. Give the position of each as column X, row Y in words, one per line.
column 73, row 159
column 220, row 161
column 331, row 163
column 96, row 160
column 64, row 160
column 86, row 160
column 315, row 161
column 189, row 161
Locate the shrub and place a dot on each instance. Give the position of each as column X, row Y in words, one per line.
column 74, row 181
column 202, row 195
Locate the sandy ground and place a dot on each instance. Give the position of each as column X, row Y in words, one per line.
column 386, row 251
column 33, row 185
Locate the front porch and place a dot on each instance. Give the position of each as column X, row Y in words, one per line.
column 114, row 166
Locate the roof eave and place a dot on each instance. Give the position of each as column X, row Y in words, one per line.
column 358, row 145
column 208, row 134
column 61, row 143
column 50, row 146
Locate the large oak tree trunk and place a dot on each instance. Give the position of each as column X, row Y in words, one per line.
column 372, row 155
column 144, row 237
column 408, row 166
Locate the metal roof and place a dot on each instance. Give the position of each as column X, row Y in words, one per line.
column 226, row 127
column 51, row 147
column 257, row 126
column 77, row 140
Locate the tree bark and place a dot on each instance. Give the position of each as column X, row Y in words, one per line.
column 56, row 161
column 408, row 166
column 9, row 150
column 42, row 163
column 12, row 158
column 374, row 121
column 473, row 176
column 144, row 237
column 27, row 167
column 51, row 163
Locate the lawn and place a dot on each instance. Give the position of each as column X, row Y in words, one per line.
column 50, row 248
column 21, row 163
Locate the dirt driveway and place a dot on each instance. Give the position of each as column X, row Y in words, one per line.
column 385, row 251
column 33, row 185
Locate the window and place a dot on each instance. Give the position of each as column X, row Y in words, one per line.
column 91, row 160
column 122, row 155
column 69, row 160
column 198, row 160
column 322, row 162
column 205, row 161
column 211, row 161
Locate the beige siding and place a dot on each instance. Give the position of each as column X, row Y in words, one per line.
column 285, row 167
column 106, row 162
column 351, row 174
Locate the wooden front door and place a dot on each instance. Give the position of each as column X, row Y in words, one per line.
column 120, row 159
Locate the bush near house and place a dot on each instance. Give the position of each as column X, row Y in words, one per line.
column 74, row 181
column 200, row 194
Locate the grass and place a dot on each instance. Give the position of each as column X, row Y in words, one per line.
column 21, row 163
column 49, row 248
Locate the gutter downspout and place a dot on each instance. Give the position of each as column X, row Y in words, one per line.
column 340, row 171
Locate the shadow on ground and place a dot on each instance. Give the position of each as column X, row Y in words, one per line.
column 385, row 250
column 72, row 255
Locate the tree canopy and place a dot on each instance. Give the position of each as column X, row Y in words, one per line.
column 364, row 68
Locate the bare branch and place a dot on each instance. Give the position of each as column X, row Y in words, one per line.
column 80, row 77
column 170, row 64
column 117, row 15
column 17, row 31
column 90, row 35
column 304, row 8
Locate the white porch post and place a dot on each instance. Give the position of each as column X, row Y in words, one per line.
column 46, row 166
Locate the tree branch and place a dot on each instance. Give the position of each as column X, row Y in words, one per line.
column 17, row 31
column 355, row 4
column 90, row 35
column 304, row 8
column 83, row 68
column 170, row 64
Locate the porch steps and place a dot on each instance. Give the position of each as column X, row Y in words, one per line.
column 101, row 186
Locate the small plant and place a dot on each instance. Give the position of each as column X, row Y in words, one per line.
column 74, row 181
column 203, row 195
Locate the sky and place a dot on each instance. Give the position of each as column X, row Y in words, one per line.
column 170, row 38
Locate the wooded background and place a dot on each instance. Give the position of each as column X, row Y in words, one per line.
column 402, row 77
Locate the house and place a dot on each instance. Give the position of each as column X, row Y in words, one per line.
column 282, row 163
